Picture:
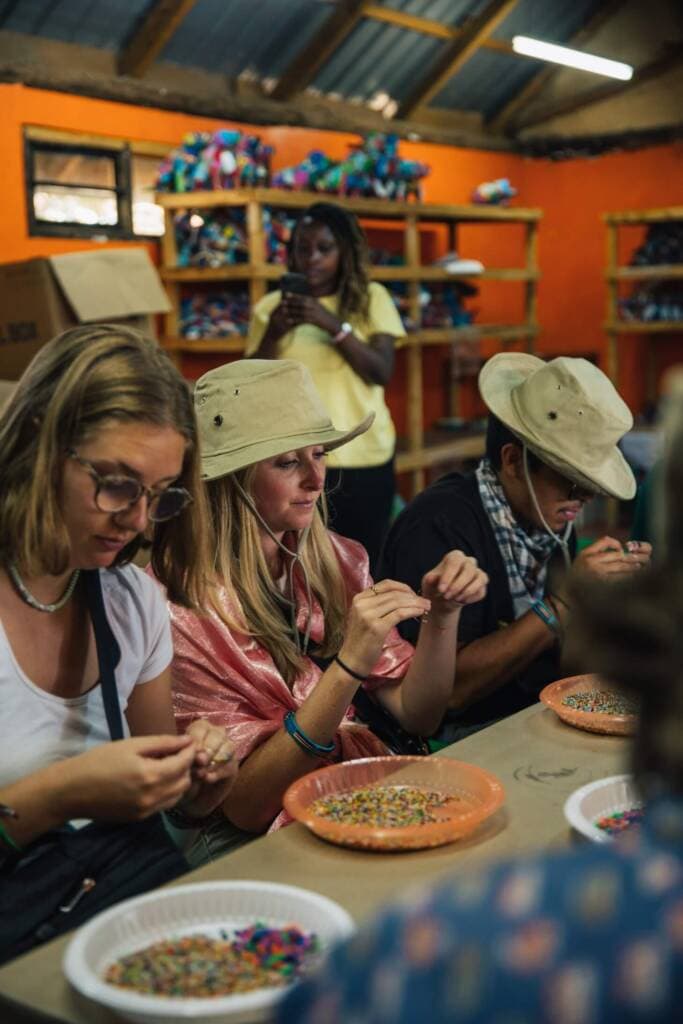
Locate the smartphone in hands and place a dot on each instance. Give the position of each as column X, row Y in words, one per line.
column 294, row 284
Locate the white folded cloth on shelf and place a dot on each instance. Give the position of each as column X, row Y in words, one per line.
column 455, row 265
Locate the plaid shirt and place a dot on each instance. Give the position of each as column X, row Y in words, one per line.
column 525, row 553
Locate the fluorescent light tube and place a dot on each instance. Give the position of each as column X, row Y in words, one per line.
column 572, row 58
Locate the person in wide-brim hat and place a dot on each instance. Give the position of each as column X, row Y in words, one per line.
column 567, row 412
column 297, row 624
column 254, row 409
column 551, row 447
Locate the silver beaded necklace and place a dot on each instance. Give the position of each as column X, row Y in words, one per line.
column 28, row 597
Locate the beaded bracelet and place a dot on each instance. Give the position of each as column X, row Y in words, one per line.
column 547, row 617
column 6, row 838
column 305, row 742
column 350, row 671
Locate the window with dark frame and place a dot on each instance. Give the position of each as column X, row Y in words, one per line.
column 78, row 190
column 90, row 191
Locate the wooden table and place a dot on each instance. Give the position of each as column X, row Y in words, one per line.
column 539, row 761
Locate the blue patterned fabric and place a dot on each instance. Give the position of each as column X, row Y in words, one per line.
column 590, row 936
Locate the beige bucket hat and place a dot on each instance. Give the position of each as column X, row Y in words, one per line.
column 255, row 409
column 567, row 412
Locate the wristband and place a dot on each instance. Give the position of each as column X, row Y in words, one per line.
column 354, row 675
column 308, row 745
column 547, row 617
column 342, row 333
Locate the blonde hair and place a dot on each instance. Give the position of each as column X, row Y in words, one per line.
column 75, row 384
column 255, row 605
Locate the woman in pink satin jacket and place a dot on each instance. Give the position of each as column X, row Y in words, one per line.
column 287, row 588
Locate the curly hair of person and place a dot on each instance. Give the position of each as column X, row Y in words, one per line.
column 631, row 633
column 353, row 254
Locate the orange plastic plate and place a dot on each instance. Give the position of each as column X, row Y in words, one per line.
column 593, row 721
column 475, row 794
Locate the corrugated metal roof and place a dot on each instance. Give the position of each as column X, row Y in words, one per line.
column 377, row 57
column 235, row 36
column 102, row 23
column 553, row 20
column 262, row 37
column 449, row 12
column 489, row 79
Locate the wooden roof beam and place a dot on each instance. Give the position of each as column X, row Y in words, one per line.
column 427, row 27
column 145, row 45
column 504, row 118
column 456, row 54
column 577, row 101
column 304, row 111
column 319, row 49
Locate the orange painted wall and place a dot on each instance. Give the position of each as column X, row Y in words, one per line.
column 572, row 241
column 572, row 249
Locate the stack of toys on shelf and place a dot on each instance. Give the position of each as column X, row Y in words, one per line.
column 656, row 301
column 663, row 244
column 223, row 159
column 440, row 304
column 494, row 193
column 278, row 226
column 217, row 237
column 214, row 315
column 661, row 299
column 373, row 168
column 211, row 238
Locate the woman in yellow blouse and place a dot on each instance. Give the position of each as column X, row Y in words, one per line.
column 344, row 330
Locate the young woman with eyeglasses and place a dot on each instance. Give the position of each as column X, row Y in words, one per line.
column 97, row 442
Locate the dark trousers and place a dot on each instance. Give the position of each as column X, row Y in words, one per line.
column 359, row 503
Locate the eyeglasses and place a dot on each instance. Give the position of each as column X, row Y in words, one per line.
column 117, row 493
column 579, row 491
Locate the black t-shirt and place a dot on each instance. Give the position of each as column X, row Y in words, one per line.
column 449, row 515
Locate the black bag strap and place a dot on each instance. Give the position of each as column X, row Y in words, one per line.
column 108, row 652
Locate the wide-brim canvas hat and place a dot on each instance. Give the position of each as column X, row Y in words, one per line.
column 255, row 409
column 567, row 412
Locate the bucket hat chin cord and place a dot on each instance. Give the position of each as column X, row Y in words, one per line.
column 561, row 539
column 292, row 560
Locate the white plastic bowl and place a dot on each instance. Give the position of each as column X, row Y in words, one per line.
column 598, row 799
column 206, row 907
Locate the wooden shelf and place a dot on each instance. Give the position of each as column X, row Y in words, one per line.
column 433, row 454
column 383, row 209
column 615, row 274
column 424, row 336
column 230, row 272
column 273, row 271
column 472, row 332
column 645, row 327
column 206, row 346
column 644, row 216
column 411, row 218
column 660, row 270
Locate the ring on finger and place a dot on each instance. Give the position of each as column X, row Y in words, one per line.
column 374, row 589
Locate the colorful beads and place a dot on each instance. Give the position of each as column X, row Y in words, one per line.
column 383, row 806
column 605, row 702
column 196, row 966
column 620, row 820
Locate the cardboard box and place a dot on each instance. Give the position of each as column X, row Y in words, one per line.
column 40, row 298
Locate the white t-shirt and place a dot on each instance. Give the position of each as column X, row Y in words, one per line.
column 37, row 728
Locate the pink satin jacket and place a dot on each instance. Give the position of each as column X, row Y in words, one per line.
column 230, row 679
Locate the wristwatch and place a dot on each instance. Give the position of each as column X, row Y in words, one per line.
column 342, row 333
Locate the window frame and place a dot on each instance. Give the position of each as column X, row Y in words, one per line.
column 122, row 151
